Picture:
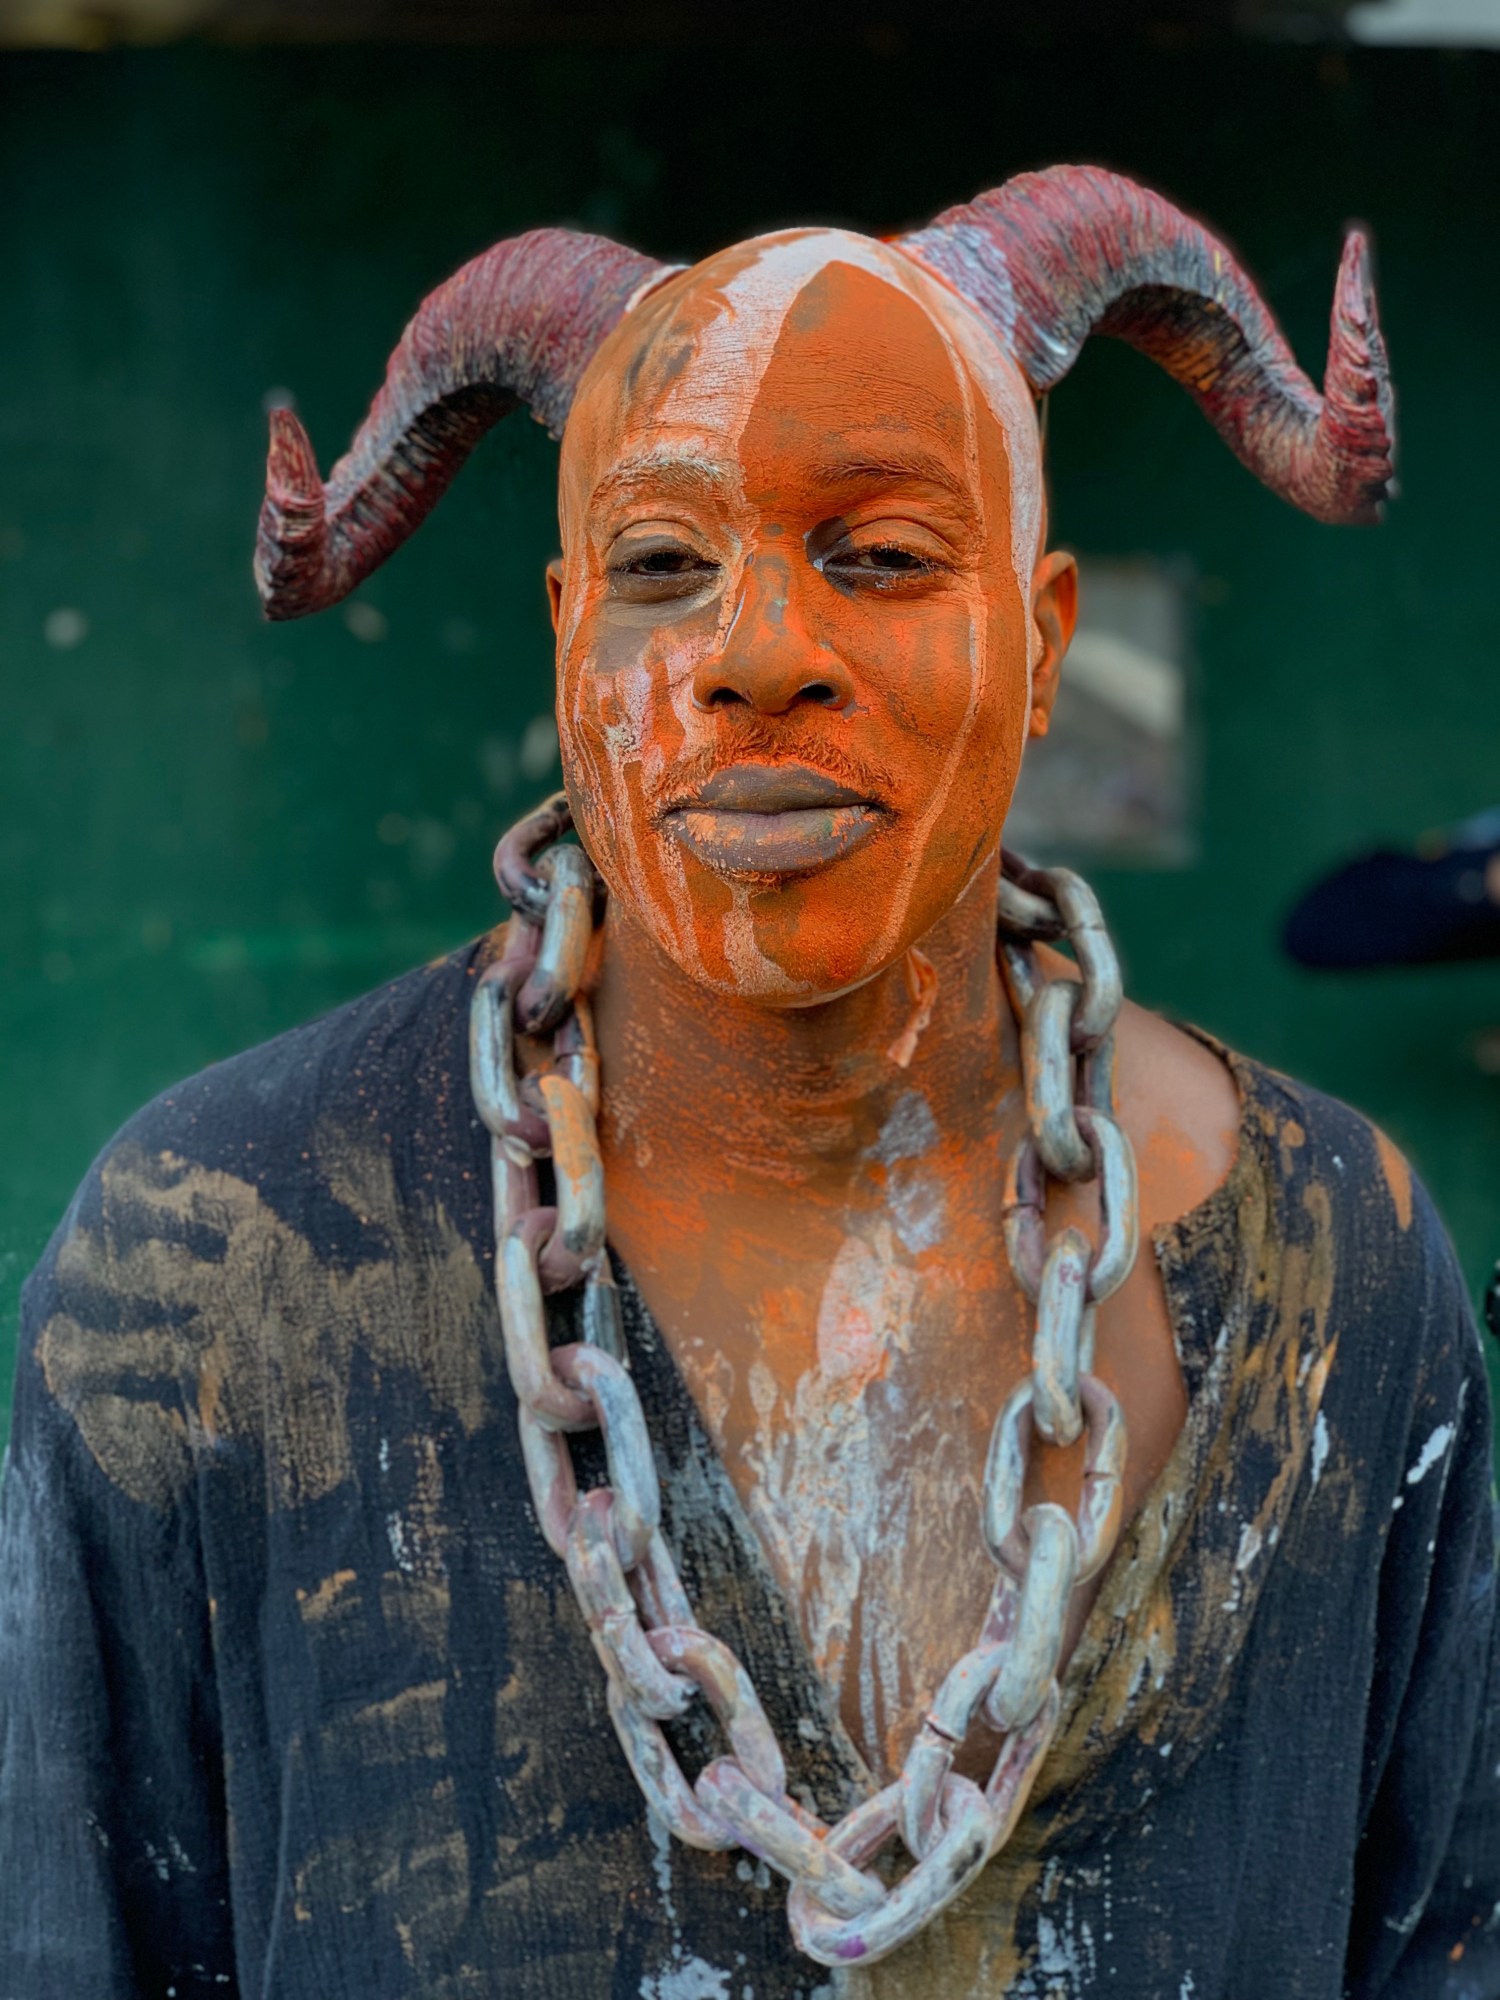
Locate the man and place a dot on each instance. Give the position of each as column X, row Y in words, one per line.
column 298, row 1697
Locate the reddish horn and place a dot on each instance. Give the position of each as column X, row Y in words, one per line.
column 517, row 325
column 1052, row 257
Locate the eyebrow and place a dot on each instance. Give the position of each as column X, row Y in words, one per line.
column 893, row 469
column 679, row 470
column 671, row 468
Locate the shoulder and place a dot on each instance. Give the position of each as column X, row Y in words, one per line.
column 246, row 1219
column 1319, row 1239
column 1180, row 1103
column 362, row 1062
column 1330, row 1193
column 1348, row 1181
column 1346, row 1236
column 1194, row 1109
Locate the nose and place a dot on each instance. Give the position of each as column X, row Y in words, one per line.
column 770, row 661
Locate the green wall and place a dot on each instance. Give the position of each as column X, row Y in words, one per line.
column 211, row 828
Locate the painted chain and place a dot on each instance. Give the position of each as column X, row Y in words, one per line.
column 656, row 1658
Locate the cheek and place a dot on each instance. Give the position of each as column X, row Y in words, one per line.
column 957, row 691
column 624, row 716
column 620, row 703
column 965, row 705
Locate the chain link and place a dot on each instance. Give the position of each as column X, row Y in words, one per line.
column 656, row 1659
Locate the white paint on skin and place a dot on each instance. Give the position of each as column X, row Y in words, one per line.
column 826, row 1498
column 754, row 973
column 978, row 681
column 674, row 868
column 735, row 349
column 917, row 1201
column 636, row 693
column 628, row 742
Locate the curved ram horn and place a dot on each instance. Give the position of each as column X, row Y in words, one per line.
column 1052, row 257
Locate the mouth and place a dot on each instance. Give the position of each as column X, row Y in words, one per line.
column 758, row 820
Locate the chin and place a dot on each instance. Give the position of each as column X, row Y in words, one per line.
column 789, row 941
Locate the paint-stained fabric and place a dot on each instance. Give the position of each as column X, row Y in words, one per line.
column 295, row 1701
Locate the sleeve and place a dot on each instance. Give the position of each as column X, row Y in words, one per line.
column 1426, row 1923
column 113, row 1856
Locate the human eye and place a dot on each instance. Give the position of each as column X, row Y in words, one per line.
column 658, row 568
column 882, row 559
column 889, row 559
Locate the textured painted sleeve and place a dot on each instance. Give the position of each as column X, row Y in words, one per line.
column 113, row 1871
column 1427, row 1909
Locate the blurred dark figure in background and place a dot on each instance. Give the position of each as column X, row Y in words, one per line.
column 1435, row 905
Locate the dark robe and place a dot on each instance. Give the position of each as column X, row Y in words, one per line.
column 295, row 1702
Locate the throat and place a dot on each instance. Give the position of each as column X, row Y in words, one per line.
column 718, row 1094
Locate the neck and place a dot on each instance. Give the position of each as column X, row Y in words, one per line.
column 734, row 1093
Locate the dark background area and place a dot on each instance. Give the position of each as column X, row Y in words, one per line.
column 211, row 828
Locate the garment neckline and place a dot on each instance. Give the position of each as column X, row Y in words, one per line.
column 1179, row 1248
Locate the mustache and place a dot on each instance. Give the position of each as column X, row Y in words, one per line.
column 773, row 744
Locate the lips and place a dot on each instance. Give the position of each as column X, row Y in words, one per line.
column 755, row 820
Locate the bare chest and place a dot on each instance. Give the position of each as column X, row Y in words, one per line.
column 849, row 1366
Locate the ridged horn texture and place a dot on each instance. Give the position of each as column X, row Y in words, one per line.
column 517, row 325
column 1052, row 257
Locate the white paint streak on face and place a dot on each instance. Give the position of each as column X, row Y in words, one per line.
column 635, row 692
column 627, row 742
column 1004, row 389
column 937, row 805
column 675, row 870
column 753, row 971
column 734, row 351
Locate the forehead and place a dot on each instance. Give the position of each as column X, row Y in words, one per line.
column 787, row 343
column 803, row 324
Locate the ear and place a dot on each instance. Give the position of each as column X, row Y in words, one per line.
column 1054, row 613
column 555, row 589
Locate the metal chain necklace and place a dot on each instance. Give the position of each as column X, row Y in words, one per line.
column 656, row 1658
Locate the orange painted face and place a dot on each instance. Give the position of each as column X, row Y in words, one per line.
column 794, row 623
